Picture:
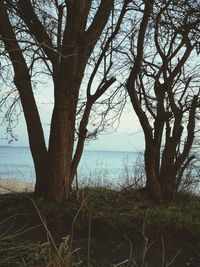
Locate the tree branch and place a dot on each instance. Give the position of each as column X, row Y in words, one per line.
column 36, row 29
column 131, row 82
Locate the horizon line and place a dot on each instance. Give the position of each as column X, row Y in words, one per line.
column 98, row 150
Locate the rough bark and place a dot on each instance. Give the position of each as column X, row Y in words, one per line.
column 62, row 130
column 153, row 187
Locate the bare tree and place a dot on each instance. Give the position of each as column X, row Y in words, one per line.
column 164, row 91
column 61, row 37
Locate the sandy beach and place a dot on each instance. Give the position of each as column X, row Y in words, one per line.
column 15, row 186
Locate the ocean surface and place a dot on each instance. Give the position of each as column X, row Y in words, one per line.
column 95, row 167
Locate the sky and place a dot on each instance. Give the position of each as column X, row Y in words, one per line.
column 127, row 137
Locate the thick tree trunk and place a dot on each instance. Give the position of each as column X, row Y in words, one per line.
column 167, row 177
column 60, row 155
column 168, row 187
column 61, row 141
column 153, row 187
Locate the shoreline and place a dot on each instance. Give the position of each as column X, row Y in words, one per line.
column 13, row 185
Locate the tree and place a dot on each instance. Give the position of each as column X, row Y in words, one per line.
column 164, row 91
column 61, row 35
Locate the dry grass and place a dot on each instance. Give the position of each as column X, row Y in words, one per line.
column 109, row 217
column 15, row 186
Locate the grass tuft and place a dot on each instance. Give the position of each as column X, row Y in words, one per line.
column 101, row 227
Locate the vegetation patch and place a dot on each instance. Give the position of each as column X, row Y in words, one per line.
column 99, row 227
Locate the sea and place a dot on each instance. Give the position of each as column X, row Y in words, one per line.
column 96, row 167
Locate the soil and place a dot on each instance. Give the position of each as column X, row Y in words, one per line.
column 109, row 240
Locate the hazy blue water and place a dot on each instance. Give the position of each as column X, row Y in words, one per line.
column 16, row 162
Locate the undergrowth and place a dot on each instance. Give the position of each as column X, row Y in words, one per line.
column 101, row 227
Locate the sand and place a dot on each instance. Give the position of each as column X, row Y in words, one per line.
column 15, row 186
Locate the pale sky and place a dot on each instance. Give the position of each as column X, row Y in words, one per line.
column 128, row 136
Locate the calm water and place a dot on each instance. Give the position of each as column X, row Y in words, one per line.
column 16, row 162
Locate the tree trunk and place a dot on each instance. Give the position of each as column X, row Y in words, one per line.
column 61, row 141
column 152, row 183
column 35, row 132
column 60, row 155
column 22, row 81
column 168, row 187
column 167, row 177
